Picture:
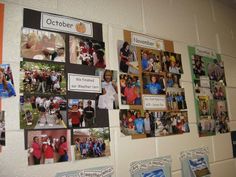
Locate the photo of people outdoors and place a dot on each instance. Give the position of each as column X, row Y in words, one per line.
column 198, row 66
column 42, row 45
column 42, row 78
column 48, row 146
column 42, row 112
column 172, row 62
column 218, row 90
column 108, row 99
column 175, row 98
column 91, row 143
column 128, row 62
column 86, row 51
column 153, row 123
column 153, row 84
column 130, row 89
column 81, row 113
column 2, row 129
column 6, row 82
column 151, row 61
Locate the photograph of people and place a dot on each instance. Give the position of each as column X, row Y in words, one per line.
column 150, row 61
column 204, row 105
column 42, row 78
column 218, row 90
column 130, row 89
column 2, row 129
column 76, row 113
column 128, row 62
column 198, row 66
column 6, row 82
column 42, row 45
column 48, row 146
column 172, row 80
column 86, row 51
column 153, row 84
column 172, row 62
column 42, row 112
column 108, row 99
column 215, row 70
column 175, row 98
column 91, row 143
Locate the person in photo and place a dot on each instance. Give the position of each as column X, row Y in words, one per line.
column 62, row 149
column 74, row 115
column 124, row 57
column 89, row 114
column 6, row 88
column 139, row 123
column 36, row 150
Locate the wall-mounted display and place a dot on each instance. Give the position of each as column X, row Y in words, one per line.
column 150, row 85
column 2, row 129
column 209, row 90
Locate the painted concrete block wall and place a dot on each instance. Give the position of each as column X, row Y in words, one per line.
column 187, row 22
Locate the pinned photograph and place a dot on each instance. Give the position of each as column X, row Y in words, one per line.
column 204, row 105
column 130, row 89
column 6, row 82
column 42, row 78
column 199, row 167
column 81, row 113
column 2, row 129
column 153, row 84
column 86, row 51
column 42, row 112
column 91, row 143
column 175, row 98
column 108, row 99
column 48, row 146
column 207, row 126
column 198, row 66
column 218, row 90
column 42, row 45
column 172, row 62
column 151, row 61
column 128, row 62
column 173, row 80
column 215, row 70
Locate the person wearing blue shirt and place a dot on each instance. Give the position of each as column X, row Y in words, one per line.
column 139, row 123
column 154, row 87
column 6, row 88
column 144, row 61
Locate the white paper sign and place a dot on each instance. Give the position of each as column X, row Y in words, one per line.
column 147, row 42
column 205, row 52
column 154, row 102
column 84, row 83
column 204, row 81
column 66, row 24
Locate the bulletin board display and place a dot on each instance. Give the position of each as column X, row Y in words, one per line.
column 210, row 91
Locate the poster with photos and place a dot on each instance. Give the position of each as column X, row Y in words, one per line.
column 91, row 143
column 64, row 86
column 209, row 89
column 150, row 84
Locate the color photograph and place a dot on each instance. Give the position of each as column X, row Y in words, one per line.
column 42, row 112
column 108, row 99
column 42, row 45
column 128, row 62
column 204, row 105
column 81, row 113
column 2, row 129
column 91, row 143
column 218, row 90
column 172, row 80
column 172, row 62
column 198, row 66
column 86, row 51
column 48, row 146
column 175, row 98
column 42, row 78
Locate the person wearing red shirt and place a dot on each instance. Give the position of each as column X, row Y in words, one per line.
column 36, row 150
column 48, row 149
column 74, row 115
column 62, row 149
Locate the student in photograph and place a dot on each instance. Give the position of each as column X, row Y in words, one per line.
column 74, row 115
column 169, row 80
column 154, row 87
column 198, row 68
column 204, row 109
column 40, row 82
column 36, row 148
column 100, row 59
column 139, row 123
column 146, row 64
column 169, row 99
column 62, row 149
column 147, row 124
column 130, row 119
column 109, row 92
column 124, row 57
column 6, row 88
column 81, row 110
column 48, row 150
column 60, row 55
column 173, row 68
column 42, row 110
column 28, row 117
column 89, row 114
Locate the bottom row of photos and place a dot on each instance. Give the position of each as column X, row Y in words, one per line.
column 52, row 146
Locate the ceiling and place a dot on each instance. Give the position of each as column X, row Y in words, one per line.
column 231, row 3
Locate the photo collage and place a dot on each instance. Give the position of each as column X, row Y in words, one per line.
column 66, row 92
column 210, row 93
column 150, row 85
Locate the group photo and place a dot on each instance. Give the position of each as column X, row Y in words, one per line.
column 43, row 112
column 42, row 45
column 91, row 143
column 42, row 78
column 47, row 146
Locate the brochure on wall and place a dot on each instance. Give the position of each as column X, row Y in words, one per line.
column 105, row 171
column 209, row 89
column 160, row 167
column 150, row 74
column 63, row 80
column 195, row 163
